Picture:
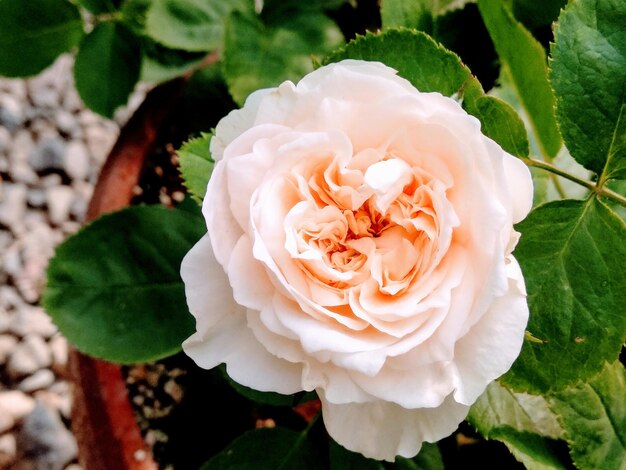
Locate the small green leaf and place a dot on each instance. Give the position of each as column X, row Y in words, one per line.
column 616, row 163
column 501, row 123
column 524, row 423
column 107, row 67
column 593, row 416
column 499, row 407
column 415, row 55
column 341, row 458
column 258, row 55
column 114, row 288
column 535, row 13
column 34, row 33
column 100, row 6
column 161, row 64
column 407, row 13
column 525, row 59
column 572, row 254
column 588, row 74
column 192, row 25
column 196, row 165
column 267, row 449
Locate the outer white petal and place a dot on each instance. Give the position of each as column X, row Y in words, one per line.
column 236, row 123
column 489, row 349
column 208, row 291
column 520, row 185
column 383, row 430
column 222, row 333
column 230, row 341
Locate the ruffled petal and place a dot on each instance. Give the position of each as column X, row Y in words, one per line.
column 489, row 349
column 382, row 430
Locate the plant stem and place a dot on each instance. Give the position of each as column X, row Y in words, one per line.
column 599, row 190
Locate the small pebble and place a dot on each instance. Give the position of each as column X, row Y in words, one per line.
column 33, row 320
column 28, row 357
column 77, row 164
column 41, row 379
column 48, row 154
column 7, row 342
column 44, row 439
column 60, row 200
column 60, row 352
column 12, row 204
column 8, row 450
column 16, row 403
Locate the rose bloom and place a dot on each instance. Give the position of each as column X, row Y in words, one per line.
column 359, row 245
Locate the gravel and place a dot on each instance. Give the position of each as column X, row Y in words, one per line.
column 51, row 151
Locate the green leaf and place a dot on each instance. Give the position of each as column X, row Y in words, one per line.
column 523, row 422
column 415, row 55
column 593, row 416
column 536, row 13
column 616, row 163
column 267, row 449
column 588, row 74
column 572, row 254
column 192, row 25
column 499, row 407
column 525, row 59
column 501, row 123
column 100, row 6
column 114, row 288
column 161, row 64
column 34, row 33
column 407, row 13
column 133, row 13
column 196, row 165
column 258, row 55
column 341, row 458
column 107, row 67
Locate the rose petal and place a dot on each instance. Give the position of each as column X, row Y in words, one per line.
column 488, row 350
column 382, row 430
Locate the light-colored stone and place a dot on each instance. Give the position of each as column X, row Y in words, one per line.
column 12, row 259
column 61, row 403
column 11, row 112
column 19, row 167
column 60, row 200
column 12, row 204
column 9, row 298
column 100, row 139
column 66, row 122
column 31, row 320
column 29, row 356
column 41, row 379
column 5, row 140
column 6, row 422
column 48, row 154
column 16, row 403
column 45, row 440
column 77, row 164
column 8, row 450
column 60, row 351
column 7, row 343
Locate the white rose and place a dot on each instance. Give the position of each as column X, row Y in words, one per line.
column 359, row 244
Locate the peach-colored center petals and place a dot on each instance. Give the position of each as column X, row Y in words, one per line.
column 364, row 232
